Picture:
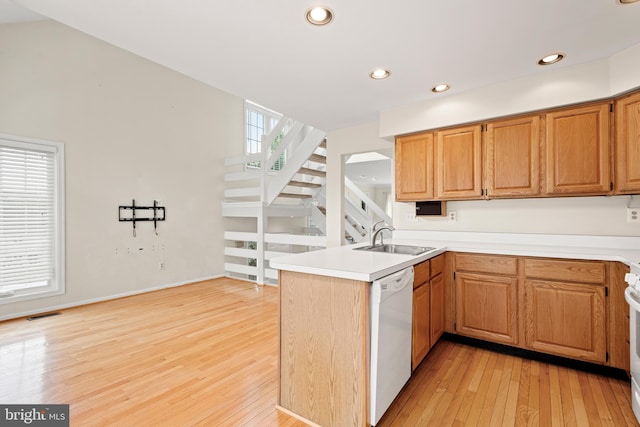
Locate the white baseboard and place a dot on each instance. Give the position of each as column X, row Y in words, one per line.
column 105, row 298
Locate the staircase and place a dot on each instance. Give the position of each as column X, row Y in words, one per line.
column 269, row 212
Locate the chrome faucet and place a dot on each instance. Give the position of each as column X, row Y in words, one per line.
column 375, row 231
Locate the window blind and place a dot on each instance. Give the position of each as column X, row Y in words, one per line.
column 27, row 216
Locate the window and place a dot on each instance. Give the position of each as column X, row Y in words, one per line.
column 31, row 219
column 259, row 122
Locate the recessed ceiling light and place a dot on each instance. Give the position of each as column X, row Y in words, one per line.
column 627, row 1
column 319, row 15
column 440, row 88
column 551, row 59
column 380, row 74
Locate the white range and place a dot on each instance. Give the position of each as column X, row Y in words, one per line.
column 632, row 295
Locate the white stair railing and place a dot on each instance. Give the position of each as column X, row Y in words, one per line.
column 252, row 191
column 364, row 218
column 301, row 154
column 373, row 207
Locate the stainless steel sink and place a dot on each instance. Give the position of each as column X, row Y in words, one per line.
column 396, row 249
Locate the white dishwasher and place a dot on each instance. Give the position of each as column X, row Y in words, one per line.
column 391, row 314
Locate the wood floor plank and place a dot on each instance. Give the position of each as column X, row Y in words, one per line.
column 533, row 414
column 522, row 410
column 457, row 396
column 206, row 355
column 500, row 406
column 471, row 391
column 590, row 405
column 492, row 391
column 577, row 396
column 511, row 408
column 544, row 395
column 557, row 415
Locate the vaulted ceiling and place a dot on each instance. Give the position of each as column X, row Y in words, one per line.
column 266, row 51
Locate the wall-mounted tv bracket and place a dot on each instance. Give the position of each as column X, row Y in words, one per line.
column 158, row 214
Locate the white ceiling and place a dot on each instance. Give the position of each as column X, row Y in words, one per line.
column 265, row 51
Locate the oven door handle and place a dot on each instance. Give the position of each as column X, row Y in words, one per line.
column 632, row 299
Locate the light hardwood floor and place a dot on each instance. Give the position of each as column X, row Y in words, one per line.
column 206, row 354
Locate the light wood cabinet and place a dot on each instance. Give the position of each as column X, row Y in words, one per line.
column 420, row 337
column 512, row 162
column 421, row 341
column 323, row 336
column 437, row 308
column 578, row 151
column 564, row 307
column 627, row 145
column 459, row 163
column 414, row 167
column 428, row 307
column 486, row 297
column 618, row 318
column 567, row 319
column 562, row 152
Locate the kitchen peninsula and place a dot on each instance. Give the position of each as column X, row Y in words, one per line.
column 324, row 307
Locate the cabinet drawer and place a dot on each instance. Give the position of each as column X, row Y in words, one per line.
column 420, row 273
column 437, row 265
column 495, row 264
column 565, row 270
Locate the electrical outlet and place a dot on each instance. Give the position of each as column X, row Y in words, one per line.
column 453, row 216
column 633, row 214
column 161, row 265
column 411, row 217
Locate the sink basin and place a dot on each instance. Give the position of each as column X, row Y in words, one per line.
column 396, row 249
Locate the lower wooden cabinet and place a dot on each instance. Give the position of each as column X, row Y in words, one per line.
column 566, row 319
column 428, row 307
column 565, row 307
column 421, row 342
column 486, row 307
column 437, row 308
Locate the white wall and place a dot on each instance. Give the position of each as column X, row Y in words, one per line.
column 131, row 129
column 624, row 70
column 604, row 216
column 549, row 89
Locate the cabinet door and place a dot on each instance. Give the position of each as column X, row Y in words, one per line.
column 437, row 308
column 567, row 319
column 486, row 307
column 420, row 326
column 628, row 145
column 578, row 151
column 414, row 167
column 458, row 163
column 513, row 157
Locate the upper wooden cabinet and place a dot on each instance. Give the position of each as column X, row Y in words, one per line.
column 577, row 146
column 459, row 163
column 513, row 157
column 627, row 147
column 414, row 167
column 563, row 152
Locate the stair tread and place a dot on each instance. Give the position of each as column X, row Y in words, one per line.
column 314, row 172
column 317, row 158
column 304, row 184
column 323, row 144
column 295, row 195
